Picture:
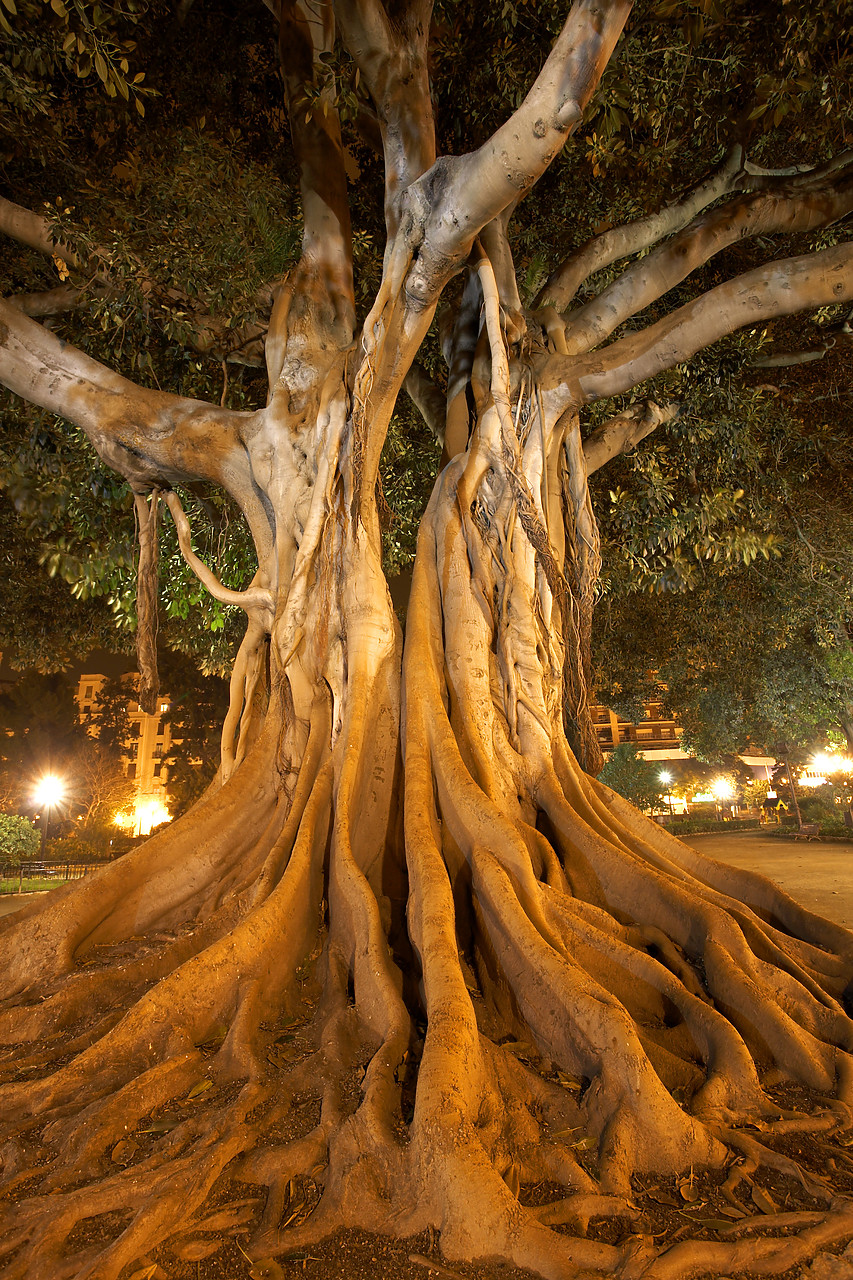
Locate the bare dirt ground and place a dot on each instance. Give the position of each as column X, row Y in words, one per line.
column 820, row 875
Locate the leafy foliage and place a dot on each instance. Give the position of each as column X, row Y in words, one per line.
column 19, row 839
column 636, row 779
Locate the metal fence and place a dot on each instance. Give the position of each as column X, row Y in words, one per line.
column 58, row 871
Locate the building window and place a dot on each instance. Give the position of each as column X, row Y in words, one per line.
column 164, row 706
column 131, row 771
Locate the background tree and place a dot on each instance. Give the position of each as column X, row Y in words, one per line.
column 196, row 711
column 634, row 777
column 19, row 840
column 486, row 951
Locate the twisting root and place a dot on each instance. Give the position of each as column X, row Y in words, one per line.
column 665, row 992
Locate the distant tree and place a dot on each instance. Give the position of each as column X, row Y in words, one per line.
column 101, row 786
column 197, row 709
column 110, row 721
column 19, row 839
column 634, row 777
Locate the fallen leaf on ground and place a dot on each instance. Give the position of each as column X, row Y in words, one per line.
column 200, row 1088
column 124, row 1151
column 764, row 1201
column 266, row 1269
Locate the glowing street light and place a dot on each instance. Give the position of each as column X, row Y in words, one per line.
column 666, row 778
column 49, row 792
column 721, row 789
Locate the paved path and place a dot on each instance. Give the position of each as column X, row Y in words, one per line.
column 818, row 873
column 11, row 901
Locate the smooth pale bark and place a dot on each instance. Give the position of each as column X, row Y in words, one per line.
column 624, row 432
column 629, row 238
column 662, row 270
column 793, row 284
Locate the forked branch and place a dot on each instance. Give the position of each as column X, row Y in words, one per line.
column 782, row 288
column 149, row 437
column 455, row 199
column 766, row 213
column 632, row 237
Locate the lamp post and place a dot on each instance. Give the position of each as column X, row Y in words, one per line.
column 783, row 749
column 721, row 790
column 666, row 778
column 47, row 795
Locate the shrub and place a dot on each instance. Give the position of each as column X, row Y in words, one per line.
column 19, row 840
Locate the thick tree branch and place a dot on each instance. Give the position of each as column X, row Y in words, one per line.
column 319, row 298
column 457, row 197
column 645, row 281
column 149, row 437
column 782, row 288
column 32, row 229
column 631, row 237
column 392, row 57
column 624, row 432
column 51, row 302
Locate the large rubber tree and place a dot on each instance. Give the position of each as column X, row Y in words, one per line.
column 407, row 955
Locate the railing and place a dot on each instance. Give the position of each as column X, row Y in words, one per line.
column 14, row 874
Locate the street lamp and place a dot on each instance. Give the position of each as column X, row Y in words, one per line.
column 49, row 793
column 722, row 790
column 666, row 777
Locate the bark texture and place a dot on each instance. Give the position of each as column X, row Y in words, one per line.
column 407, row 964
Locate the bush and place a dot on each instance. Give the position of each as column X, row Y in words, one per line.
column 634, row 777
column 73, row 849
column 19, row 840
column 833, row 829
column 704, row 826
